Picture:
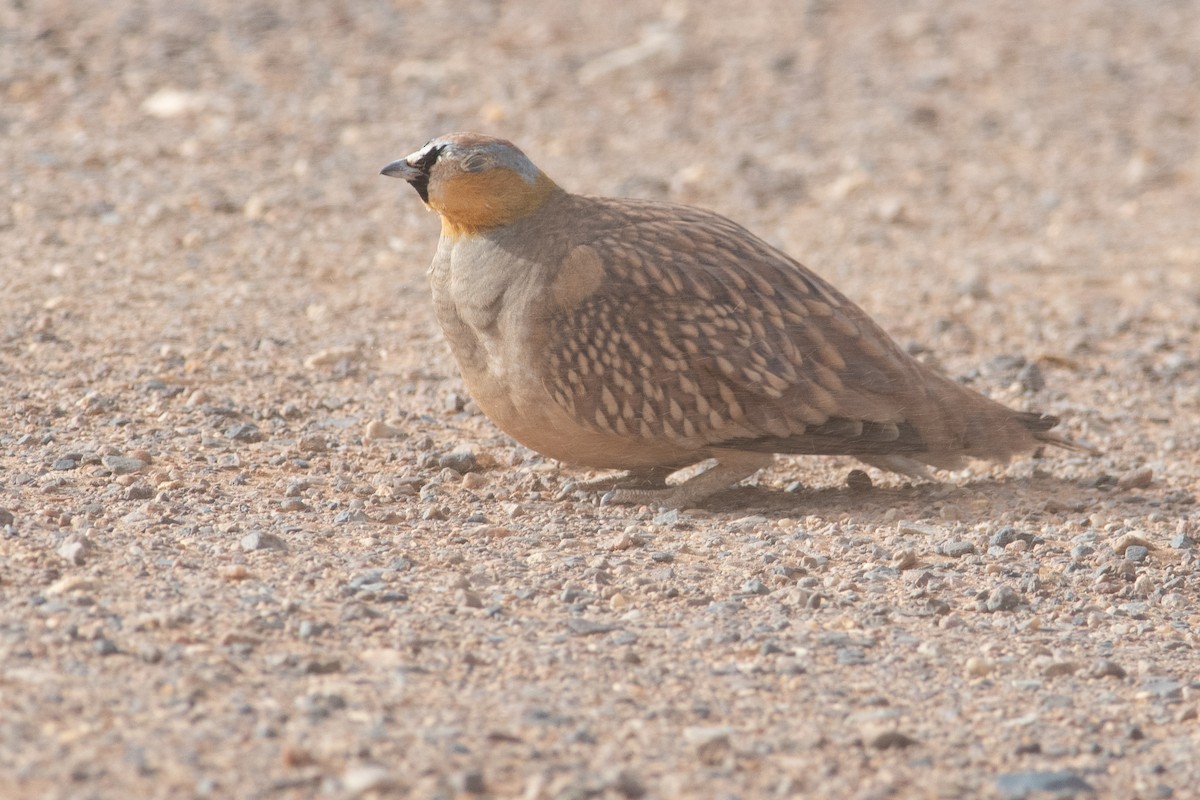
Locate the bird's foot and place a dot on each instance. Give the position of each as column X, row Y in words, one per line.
column 731, row 467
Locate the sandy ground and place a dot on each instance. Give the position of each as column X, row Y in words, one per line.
column 257, row 542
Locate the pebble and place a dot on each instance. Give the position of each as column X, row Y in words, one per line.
column 312, row 444
column 977, row 667
column 378, row 430
column 858, row 481
column 1130, row 540
column 139, row 491
column 1136, row 553
column 244, row 432
column 1136, row 479
column 359, row 780
column 1003, row 598
column 6, row 517
column 1105, row 668
column 74, row 550
column 1058, row 668
column 123, row 465
column 259, row 540
column 471, row 782
column 1062, row 784
column 462, row 460
column 957, row 548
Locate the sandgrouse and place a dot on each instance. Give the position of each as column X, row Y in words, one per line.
column 648, row 337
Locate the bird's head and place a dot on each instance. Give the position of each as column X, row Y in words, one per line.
column 474, row 182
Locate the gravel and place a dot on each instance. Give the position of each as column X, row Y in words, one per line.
column 258, row 541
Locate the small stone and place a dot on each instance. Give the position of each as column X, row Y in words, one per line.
column 890, row 740
column 755, row 586
column 1104, row 668
column 74, row 550
column 474, row 481
column 1030, row 377
column 1019, row 546
column 493, row 532
column 368, row 778
column 586, row 627
column 105, row 647
column 958, row 548
column 139, row 491
column 1136, row 479
column 462, row 461
column 904, row 559
column 122, row 465
column 243, row 432
column 977, row 667
column 1059, row 783
column 331, row 357
column 312, row 444
column 1136, row 553
column 471, row 782
column 858, row 481
column 1159, row 688
column 1058, row 668
column 618, row 602
column 6, row 517
column 1005, row 536
column 378, row 430
column 64, row 464
column 1003, row 598
column 259, row 540
column 292, row 504
column 1181, row 541
column 468, row 599
column 712, row 744
column 1130, row 540
column 235, row 572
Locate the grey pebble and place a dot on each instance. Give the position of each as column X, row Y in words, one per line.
column 259, row 540
column 957, row 548
column 471, row 782
column 1105, row 668
column 587, row 627
column 74, row 550
column 755, row 586
column 139, row 491
column 6, row 517
column 64, row 464
column 1180, row 541
column 1136, row 553
column 1003, row 598
column 1062, row 784
column 1160, row 688
column 123, row 465
column 462, row 460
column 104, row 647
column 243, row 432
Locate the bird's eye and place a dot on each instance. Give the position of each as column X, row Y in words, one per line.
column 474, row 162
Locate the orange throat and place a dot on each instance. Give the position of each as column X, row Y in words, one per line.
column 471, row 204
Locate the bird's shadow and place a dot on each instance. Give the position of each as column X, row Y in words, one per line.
column 976, row 500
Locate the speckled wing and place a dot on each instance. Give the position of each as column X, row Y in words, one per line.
column 674, row 322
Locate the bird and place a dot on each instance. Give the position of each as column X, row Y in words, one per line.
column 648, row 337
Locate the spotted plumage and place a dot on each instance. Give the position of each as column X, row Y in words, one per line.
column 650, row 336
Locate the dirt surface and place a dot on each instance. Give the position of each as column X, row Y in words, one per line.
column 257, row 542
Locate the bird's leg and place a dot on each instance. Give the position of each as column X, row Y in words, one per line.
column 732, row 466
column 645, row 478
